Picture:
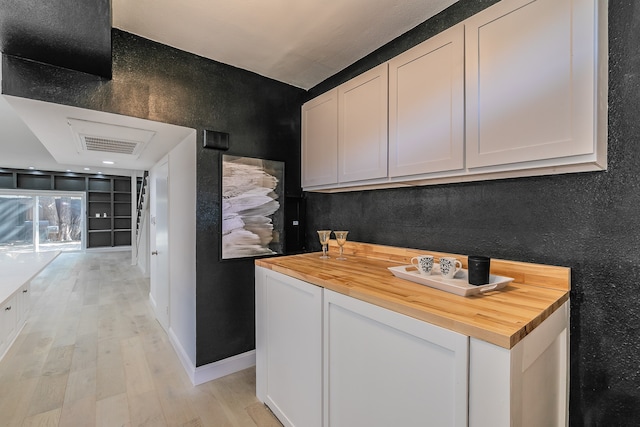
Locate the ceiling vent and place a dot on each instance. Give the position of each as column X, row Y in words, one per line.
column 100, row 138
column 92, row 143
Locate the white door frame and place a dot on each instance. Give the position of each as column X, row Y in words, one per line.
column 159, row 243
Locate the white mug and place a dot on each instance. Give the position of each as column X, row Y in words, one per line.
column 424, row 263
column 449, row 266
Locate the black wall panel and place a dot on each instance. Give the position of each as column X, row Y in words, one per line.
column 155, row 82
column 66, row 33
column 589, row 222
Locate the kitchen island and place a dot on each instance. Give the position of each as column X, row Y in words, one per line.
column 16, row 272
column 348, row 343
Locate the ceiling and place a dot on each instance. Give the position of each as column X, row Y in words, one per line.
column 300, row 43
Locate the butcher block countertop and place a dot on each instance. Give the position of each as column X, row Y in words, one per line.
column 501, row 317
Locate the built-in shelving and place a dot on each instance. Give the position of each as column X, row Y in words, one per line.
column 109, row 211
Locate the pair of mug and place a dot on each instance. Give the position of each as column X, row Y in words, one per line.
column 449, row 266
column 478, row 267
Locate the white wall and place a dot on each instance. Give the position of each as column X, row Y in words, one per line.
column 182, row 249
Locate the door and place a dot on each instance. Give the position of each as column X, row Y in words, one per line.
column 160, row 244
column 320, row 140
column 530, row 78
column 426, row 106
column 383, row 368
column 289, row 348
column 362, row 126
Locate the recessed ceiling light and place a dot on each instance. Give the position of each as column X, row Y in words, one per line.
column 68, row 170
column 108, row 162
column 99, row 173
column 31, row 167
column 87, row 169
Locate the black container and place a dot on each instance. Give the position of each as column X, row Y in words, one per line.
column 478, row 268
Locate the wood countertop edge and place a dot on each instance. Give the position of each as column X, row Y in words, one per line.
column 399, row 298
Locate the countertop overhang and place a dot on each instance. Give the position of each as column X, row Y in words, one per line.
column 502, row 317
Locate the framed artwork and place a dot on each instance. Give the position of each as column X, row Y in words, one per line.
column 252, row 207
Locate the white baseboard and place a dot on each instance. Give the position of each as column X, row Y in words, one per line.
column 224, row 367
column 109, row 249
column 152, row 301
column 202, row 374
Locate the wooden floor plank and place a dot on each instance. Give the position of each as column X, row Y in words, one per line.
column 137, row 375
column 113, row 411
column 79, row 412
column 81, row 384
column 92, row 353
column 44, row 419
column 49, row 393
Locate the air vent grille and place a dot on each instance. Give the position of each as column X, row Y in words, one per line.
column 96, row 138
column 109, row 145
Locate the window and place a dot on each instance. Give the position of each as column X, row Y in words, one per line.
column 42, row 221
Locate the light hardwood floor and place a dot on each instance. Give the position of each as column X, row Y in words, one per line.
column 92, row 353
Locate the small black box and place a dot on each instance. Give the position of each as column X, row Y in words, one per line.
column 216, row 140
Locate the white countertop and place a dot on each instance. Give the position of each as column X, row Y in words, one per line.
column 16, row 269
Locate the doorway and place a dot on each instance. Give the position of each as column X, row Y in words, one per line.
column 160, row 243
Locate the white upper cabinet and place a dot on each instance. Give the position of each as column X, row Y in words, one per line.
column 426, row 106
column 320, row 140
column 519, row 89
column 362, row 126
column 531, row 70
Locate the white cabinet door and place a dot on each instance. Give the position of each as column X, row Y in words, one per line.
column 362, row 126
column 289, row 348
column 426, row 106
column 385, row 369
column 531, row 79
column 23, row 303
column 8, row 323
column 320, row 140
column 526, row 386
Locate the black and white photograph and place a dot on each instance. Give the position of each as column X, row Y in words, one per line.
column 252, row 212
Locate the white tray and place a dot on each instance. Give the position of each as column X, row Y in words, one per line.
column 459, row 285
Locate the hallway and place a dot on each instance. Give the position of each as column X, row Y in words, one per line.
column 92, row 353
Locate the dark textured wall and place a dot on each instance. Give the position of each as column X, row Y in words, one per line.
column 66, row 33
column 589, row 222
column 155, row 82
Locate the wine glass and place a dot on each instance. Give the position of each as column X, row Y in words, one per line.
column 341, row 238
column 324, row 235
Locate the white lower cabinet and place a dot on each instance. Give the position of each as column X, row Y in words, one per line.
column 327, row 359
column 8, row 323
column 13, row 315
column 289, row 348
column 23, row 300
column 526, row 386
column 386, row 369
